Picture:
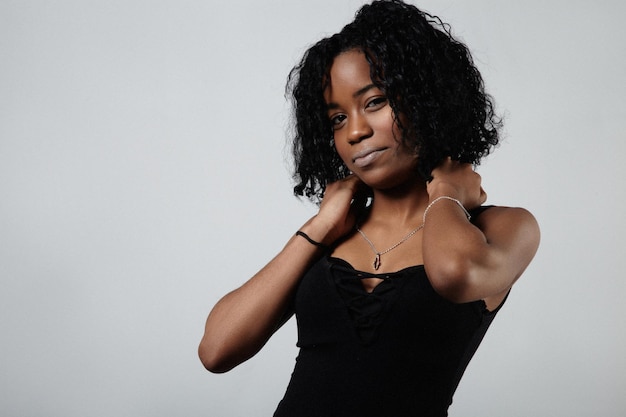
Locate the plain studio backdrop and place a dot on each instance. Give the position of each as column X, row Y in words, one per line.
column 144, row 174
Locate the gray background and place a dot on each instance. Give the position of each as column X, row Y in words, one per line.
column 143, row 174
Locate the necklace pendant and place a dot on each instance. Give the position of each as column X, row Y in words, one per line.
column 377, row 262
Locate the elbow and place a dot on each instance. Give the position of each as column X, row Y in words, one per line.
column 452, row 280
column 213, row 359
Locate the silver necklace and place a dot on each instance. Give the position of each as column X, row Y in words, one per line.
column 377, row 261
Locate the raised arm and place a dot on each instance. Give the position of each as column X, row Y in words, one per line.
column 467, row 262
column 244, row 319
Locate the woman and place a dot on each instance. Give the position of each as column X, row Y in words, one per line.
column 396, row 279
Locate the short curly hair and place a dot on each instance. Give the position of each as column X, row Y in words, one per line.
column 428, row 77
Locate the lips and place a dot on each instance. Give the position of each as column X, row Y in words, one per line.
column 367, row 156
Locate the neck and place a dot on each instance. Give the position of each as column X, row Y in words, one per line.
column 401, row 206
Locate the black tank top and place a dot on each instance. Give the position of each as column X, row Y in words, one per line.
column 398, row 351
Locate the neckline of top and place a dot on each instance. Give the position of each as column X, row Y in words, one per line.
column 333, row 260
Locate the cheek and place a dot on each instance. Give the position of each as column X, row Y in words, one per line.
column 385, row 124
column 342, row 151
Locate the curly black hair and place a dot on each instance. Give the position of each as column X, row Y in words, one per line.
column 428, row 77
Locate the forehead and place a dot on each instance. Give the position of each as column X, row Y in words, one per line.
column 349, row 73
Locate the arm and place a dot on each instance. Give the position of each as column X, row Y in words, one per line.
column 244, row 319
column 467, row 262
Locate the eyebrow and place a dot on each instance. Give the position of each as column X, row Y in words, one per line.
column 356, row 94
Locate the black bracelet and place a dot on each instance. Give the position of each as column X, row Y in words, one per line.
column 311, row 241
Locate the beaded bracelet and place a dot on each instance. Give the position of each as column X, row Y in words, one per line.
column 445, row 197
column 311, row 241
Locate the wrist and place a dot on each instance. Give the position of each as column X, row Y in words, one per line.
column 436, row 190
column 318, row 231
column 434, row 202
column 312, row 241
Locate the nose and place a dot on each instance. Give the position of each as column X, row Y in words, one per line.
column 358, row 128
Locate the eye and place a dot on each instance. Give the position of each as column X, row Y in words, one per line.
column 337, row 120
column 376, row 102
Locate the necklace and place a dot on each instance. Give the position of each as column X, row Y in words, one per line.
column 377, row 261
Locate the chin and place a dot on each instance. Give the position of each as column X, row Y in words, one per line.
column 389, row 183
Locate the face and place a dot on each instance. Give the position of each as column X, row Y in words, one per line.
column 366, row 136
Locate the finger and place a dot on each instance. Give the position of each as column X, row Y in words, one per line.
column 483, row 196
column 354, row 183
column 350, row 178
column 479, row 181
column 448, row 163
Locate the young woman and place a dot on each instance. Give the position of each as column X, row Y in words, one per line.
column 396, row 279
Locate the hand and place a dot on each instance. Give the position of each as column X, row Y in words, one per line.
column 457, row 180
column 343, row 202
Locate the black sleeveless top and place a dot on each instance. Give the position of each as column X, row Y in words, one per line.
column 398, row 351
